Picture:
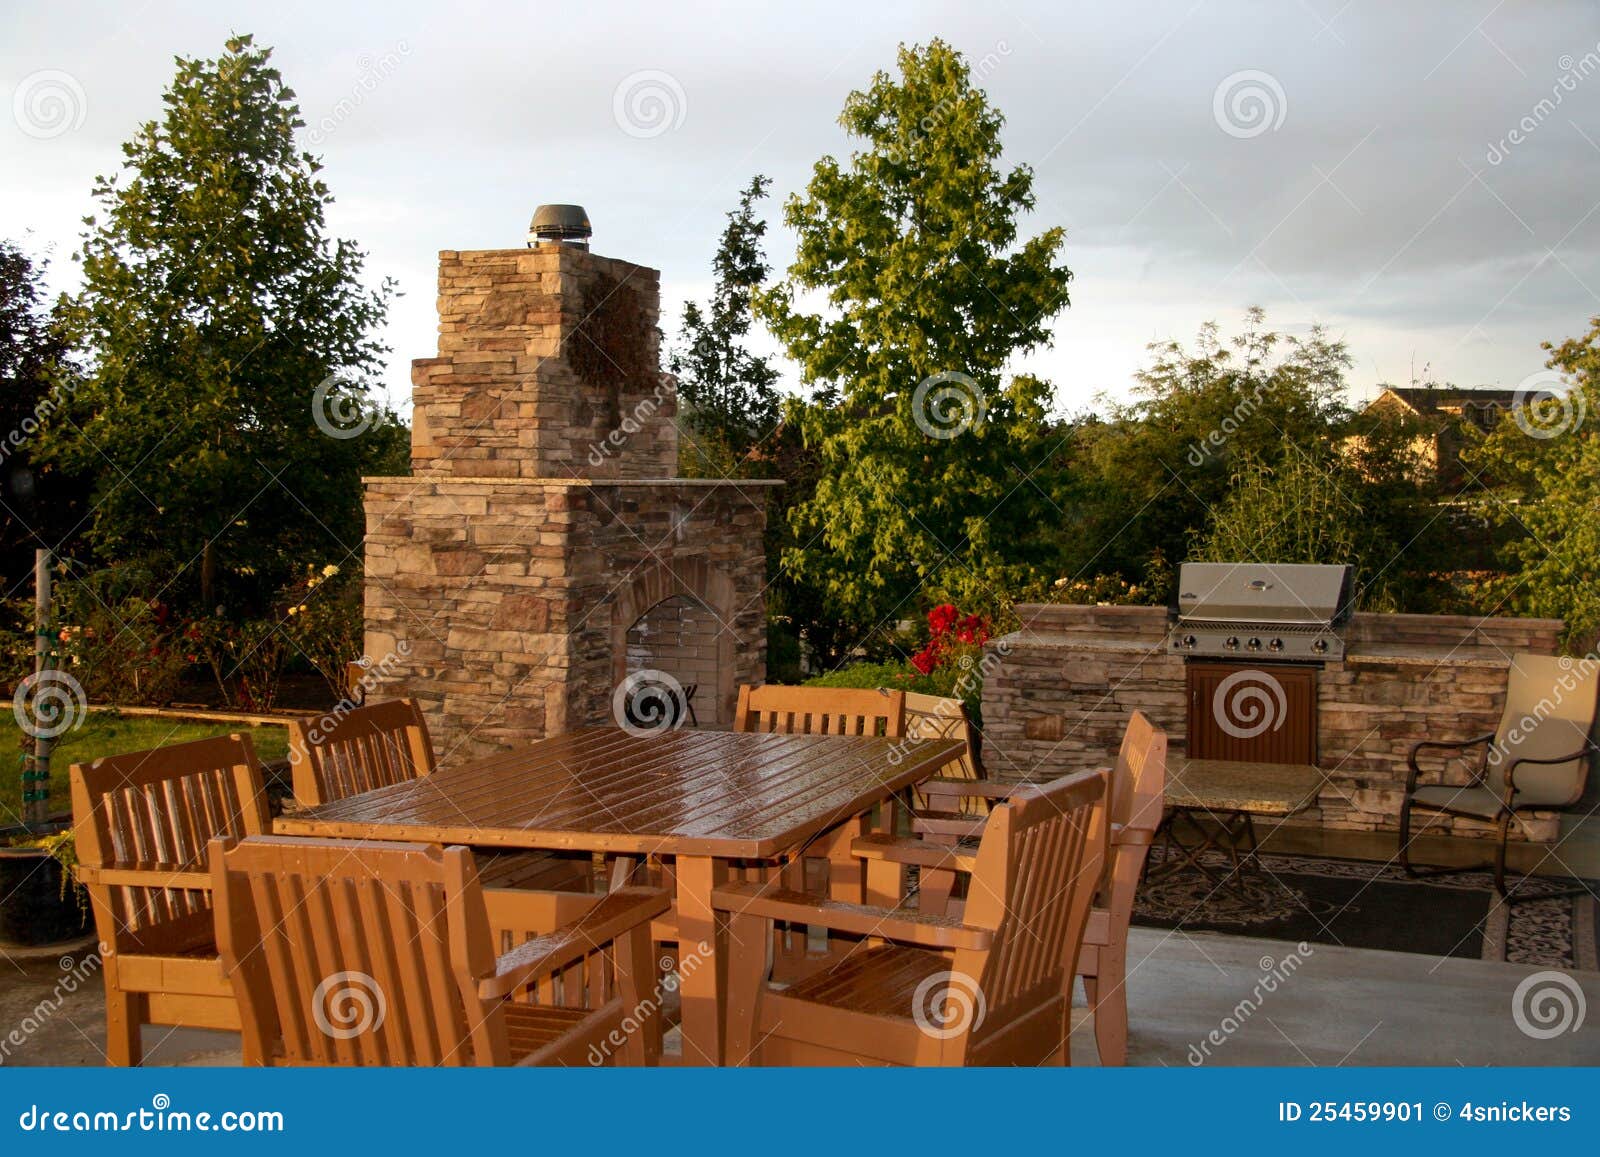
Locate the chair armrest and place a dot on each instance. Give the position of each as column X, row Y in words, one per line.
column 943, row 785
column 152, row 877
column 909, row 850
column 919, row 928
column 1124, row 836
column 1439, row 745
column 1584, row 752
column 617, row 913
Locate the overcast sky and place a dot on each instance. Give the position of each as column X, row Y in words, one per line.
column 1422, row 178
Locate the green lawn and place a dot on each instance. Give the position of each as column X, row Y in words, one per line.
column 104, row 733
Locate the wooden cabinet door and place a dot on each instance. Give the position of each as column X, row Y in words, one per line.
column 1258, row 714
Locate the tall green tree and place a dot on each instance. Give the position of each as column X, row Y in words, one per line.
column 729, row 394
column 1545, row 460
column 927, row 453
column 221, row 322
column 38, row 506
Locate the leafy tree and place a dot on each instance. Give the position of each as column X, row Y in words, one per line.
column 38, row 506
column 214, row 304
column 730, row 394
column 1156, row 468
column 923, row 449
column 1546, row 460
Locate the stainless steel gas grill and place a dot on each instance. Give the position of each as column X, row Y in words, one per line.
column 1254, row 610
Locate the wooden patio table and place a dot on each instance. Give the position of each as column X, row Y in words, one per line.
column 704, row 797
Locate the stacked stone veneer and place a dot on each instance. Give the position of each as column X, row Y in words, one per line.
column 544, row 517
column 1061, row 688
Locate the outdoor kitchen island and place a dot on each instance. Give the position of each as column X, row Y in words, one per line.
column 1061, row 687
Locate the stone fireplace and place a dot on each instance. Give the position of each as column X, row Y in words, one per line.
column 544, row 549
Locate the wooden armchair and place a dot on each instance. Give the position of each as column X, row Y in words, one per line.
column 1537, row 758
column 991, row 988
column 1138, row 785
column 143, row 823
column 821, row 711
column 345, row 753
column 347, row 952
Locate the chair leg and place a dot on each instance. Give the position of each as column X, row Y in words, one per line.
column 1405, row 838
column 125, row 1014
column 1500, row 856
column 1108, row 995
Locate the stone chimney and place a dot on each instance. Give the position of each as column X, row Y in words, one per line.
column 544, row 550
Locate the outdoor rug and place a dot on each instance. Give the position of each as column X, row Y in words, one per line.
column 1368, row 905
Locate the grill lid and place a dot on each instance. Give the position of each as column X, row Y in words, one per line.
column 1266, row 593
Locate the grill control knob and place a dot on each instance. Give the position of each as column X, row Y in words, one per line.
column 1231, row 642
column 1275, row 645
column 1254, row 644
column 1189, row 640
column 1320, row 646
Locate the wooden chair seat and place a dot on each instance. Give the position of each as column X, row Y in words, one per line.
column 531, row 1027
column 542, row 871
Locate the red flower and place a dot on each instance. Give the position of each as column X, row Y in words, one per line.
column 942, row 618
column 972, row 629
column 926, row 659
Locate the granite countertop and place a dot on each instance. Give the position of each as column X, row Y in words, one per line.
column 1267, row 789
column 1464, row 655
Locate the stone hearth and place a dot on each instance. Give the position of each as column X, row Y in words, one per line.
column 543, row 549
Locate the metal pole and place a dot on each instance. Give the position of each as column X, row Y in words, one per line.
column 37, row 808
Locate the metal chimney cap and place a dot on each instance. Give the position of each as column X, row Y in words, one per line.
column 556, row 223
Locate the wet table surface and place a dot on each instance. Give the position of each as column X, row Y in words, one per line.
column 686, row 792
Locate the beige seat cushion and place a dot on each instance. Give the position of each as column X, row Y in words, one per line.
column 1471, row 801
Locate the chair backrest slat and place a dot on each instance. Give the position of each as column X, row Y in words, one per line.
column 791, row 710
column 349, row 752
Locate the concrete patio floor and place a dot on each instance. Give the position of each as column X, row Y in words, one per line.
column 1265, row 1002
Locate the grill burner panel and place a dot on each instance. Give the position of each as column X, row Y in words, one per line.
column 1239, row 610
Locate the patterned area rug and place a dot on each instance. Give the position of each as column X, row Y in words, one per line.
column 1367, row 905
